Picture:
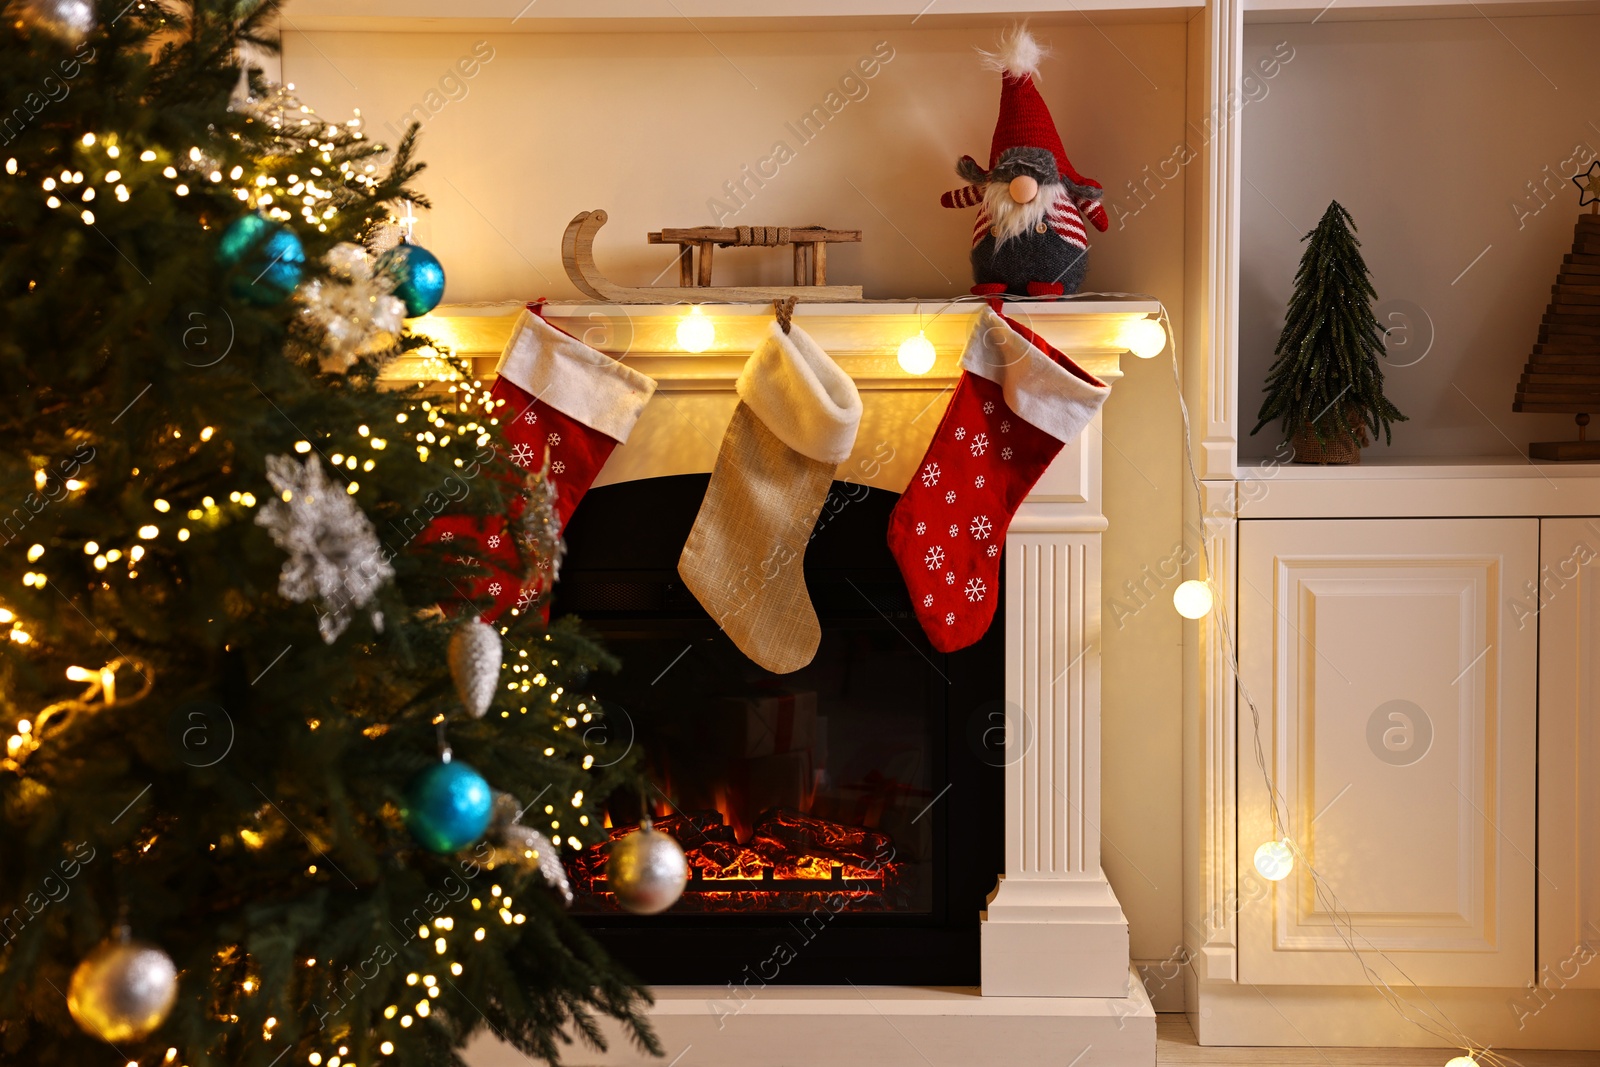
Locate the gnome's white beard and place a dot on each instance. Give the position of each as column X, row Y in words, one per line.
column 1011, row 219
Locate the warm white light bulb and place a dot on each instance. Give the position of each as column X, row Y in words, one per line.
column 1462, row 1061
column 1192, row 599
column 916, row 354
column 696, row 332
column 1145, row 338
column 1275, row 860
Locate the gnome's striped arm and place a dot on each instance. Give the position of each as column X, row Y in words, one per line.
column 966, row 196
column 1086, row 194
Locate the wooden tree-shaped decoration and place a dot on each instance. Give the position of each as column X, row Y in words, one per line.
column 1563, row 374
column 1326, row 386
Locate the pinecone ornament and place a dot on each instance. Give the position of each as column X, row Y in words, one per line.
column 475, row 652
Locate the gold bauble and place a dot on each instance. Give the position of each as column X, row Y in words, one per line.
column 122, row 991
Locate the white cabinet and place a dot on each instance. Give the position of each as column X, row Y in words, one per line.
column 1397, row 694
column 1568, row 621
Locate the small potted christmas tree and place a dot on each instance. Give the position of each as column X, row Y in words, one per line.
column 1326, row 387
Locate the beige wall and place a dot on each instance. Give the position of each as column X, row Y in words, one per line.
column 1429, row 132
column 649, row 127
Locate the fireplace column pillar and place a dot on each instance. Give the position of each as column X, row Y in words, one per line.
column 1053, row 926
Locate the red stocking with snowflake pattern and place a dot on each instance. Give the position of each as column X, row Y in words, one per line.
column 558, row 394
column 1017, row 403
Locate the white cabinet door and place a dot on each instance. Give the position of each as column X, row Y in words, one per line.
column 1396, row 694
column 1568, row 616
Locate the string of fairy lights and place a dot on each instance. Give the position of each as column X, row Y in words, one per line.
column 1277, row 858
column 112, row 164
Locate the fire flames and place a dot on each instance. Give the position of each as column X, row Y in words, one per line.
column 789, row 862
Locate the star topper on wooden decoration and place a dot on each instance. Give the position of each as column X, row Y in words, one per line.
column 1589, row 183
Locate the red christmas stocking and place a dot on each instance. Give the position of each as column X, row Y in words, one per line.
column 554, row 392
column 1018, row 402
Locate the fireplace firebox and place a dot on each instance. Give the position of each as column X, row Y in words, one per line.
column 847, row 810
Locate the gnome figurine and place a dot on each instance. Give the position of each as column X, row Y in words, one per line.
column 1029, row 238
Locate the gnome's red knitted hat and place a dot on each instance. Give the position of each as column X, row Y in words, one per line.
column 1024, row 119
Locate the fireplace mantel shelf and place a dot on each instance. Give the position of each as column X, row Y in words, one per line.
column 863, row 336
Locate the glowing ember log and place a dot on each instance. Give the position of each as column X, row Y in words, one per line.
column 789, row 854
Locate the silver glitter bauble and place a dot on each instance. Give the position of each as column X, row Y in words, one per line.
column 646, row 871
column 67, row 20
column 475, row 664
column 122, row 991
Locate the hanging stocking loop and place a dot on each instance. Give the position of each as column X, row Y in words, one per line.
column 784, row 310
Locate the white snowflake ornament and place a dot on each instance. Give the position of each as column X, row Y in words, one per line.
column 351, row 308
column 335, row 559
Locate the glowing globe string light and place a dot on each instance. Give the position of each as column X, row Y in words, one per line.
column 1193, row 599
column 1275, row 860
column 917, row 354
column 1145, row 338
column 696, row 333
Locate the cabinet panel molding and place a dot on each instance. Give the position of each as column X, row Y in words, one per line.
column 1397, row 702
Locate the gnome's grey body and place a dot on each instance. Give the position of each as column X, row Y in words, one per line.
column 1029, row 257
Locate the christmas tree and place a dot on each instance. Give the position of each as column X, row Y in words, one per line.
column 1326, row 383
column 223, row 643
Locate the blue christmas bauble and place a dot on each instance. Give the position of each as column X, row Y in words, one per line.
column 268, row 255
column 448, row 807
column 419, row 277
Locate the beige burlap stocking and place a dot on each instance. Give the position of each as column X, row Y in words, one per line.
column 744, row 560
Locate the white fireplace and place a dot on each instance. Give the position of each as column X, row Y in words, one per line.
column 1057, row 985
